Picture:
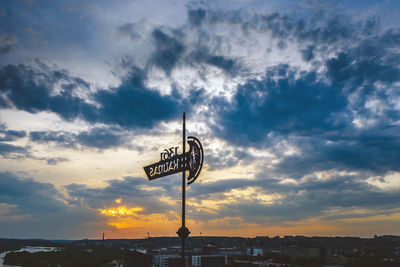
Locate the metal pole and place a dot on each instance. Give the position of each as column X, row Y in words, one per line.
column 183, row 232
column 183, row 191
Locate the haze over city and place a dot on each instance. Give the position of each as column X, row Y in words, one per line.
column 296, row 103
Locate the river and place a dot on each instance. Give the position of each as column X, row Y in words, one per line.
column 27, row 248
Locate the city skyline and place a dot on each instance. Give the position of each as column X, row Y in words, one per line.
column 296, row 103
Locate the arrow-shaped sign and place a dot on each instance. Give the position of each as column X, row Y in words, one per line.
column 191, row 161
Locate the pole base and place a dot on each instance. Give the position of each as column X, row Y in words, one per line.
column 183, row 232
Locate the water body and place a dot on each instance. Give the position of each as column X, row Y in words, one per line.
column 29, row 249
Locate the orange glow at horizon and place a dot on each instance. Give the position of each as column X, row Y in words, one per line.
column 132, row 222
column 160, row 224
column 120, row 211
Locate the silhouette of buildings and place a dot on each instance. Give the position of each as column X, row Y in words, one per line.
column 225, row 251
column 209, row 260
column 299, row 252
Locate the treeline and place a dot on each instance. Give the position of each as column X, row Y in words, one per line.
column 77, row 256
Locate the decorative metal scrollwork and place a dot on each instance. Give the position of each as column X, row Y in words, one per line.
column 171, row 162
column 196, row 158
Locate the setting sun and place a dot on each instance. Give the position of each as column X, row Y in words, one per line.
column 120, row 211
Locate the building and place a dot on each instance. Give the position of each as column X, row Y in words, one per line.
column 209, row 260
column 339, row 261
column 254, row 251
column 230, row 251
column 297, row 252
column 138, row 259
column 163, row 260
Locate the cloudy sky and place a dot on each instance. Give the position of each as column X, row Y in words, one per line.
column 297, row 104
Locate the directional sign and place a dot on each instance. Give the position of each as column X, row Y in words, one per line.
column 171, row 162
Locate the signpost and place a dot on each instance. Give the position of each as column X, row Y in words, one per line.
column 170, row 163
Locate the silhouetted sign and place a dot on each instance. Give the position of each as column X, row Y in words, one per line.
column 170, row 162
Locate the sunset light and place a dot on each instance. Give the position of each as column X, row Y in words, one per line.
column 292, row 118
column 192, row 133
column 120, row 211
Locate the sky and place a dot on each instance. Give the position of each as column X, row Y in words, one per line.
column 296, row 103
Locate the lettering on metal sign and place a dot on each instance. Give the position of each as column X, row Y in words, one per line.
column 170, row 162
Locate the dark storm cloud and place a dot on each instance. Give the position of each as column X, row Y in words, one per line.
column 29, row 195
column 308, row 53
column 36, row 210
column 196, row 16
column 12, row 135
column 377, row 152
column 319, row 34
column 55, row 161
column 203, row 56
column 126, row 105
column 316, row 110
column 327, row 30
column 7, row 135
column 374, row 59
column 300, row 201
column 20, row 152
column 226, row 157
column 168, row 50
column 98, row 137
column 283, row 103
column 128, row 29
column 131, row 189
column 102, row 138
column 314, row 197
column 12, row 151
column 336, row 29
column 132, row 105
column 363, row 51
column 172, row 50
column 65, row 139
column 32, row 91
